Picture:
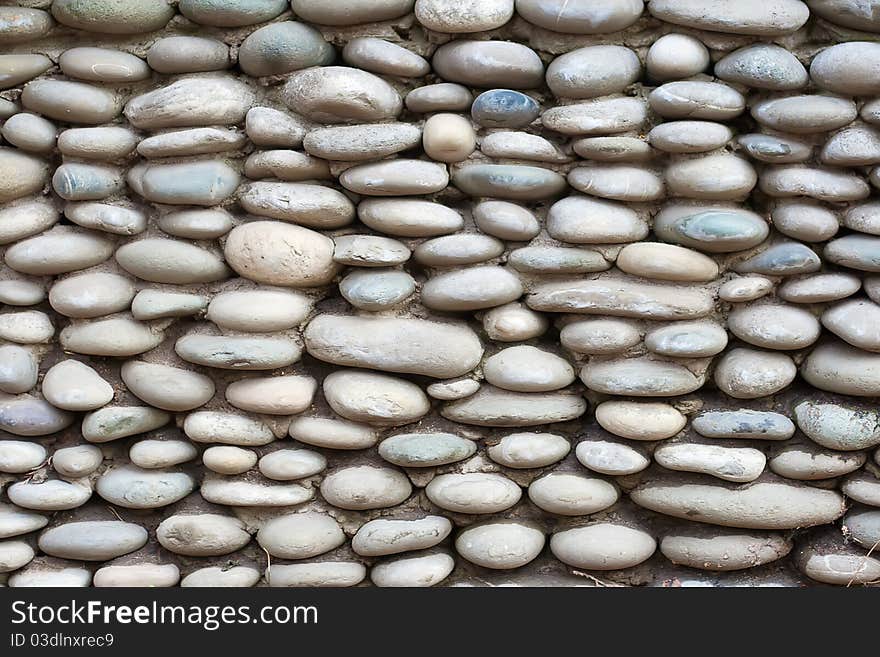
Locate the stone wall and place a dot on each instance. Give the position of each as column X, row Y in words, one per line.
column 453, row 292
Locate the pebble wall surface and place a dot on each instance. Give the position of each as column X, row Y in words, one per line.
column 440, row 292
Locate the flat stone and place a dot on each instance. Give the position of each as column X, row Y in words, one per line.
column 611, row 458
column 571, row 494
column 93, row 540
column 475, row 492
column 750, row 373
column 384, row 536
column 365, row 487
column 113, row 422
column 839, row 367
column 640, row 421
column 493, row 407
column 838, row 426
column 500, row 545
column 300, row 535
column 421, row 450
column 135, row 488
column 226, row 428
column 744, row 423
column 603, row 546
column 529, row 450
column 762, row 505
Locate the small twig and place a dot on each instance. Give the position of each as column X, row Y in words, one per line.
column 853, row 578
column 268, row 566
column 598, row 582
column 113, row 511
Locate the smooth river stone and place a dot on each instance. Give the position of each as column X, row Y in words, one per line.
column 26, row 218
column 352, row 143
column 192, row 183
column 300, row 535
column 364, row 487
column 620, row 182
column 849, row 68
column 226, row 428
column 118, row 336
column 394, row 344
column 50, row 495
column 839, row 367
column 333, row 433
column 422, row 450
column 510, row 181
column 219, row 576
column 597, row 117
column 769, row 504
column 689, row 136
column 839, row 426
column 19, row 456
column 571, row 494
column 18, row 369
column 751, row 373
column 24, row 415
column 166, row 387
column 774, row 326
column 74, row 386
column 187, row 54
column 717, row 549
column 476, row 63
column 77, row 461
column 745, row 288
column 103, row 65
column 369, row 251
column 202, row 535
column 687, row 339
column 460, row 249
column 397, row 177
column 384, row 57
column 475, row 492
column 752, row 17
column 603, row 546
column 503, row 108
column 353, row 12
column 157, row 304
column 300, row 203
column 821, row 288
column 338, row 94
column 712, row 177
column 276, row 253
column 93, row 540
column 410, row 572
column 500, row 545
column 804, row 114
column 640, row 377
column 857, row 321
column 525, row 368
column 364, row 396
column 513, row 322
column 493, row 407
column 611, row 458
column 317, row 574
column 229, row 460
column 696, row 99
column 384, row 536
column 593, row 71
column 22, row 174
column 15, row 521
column 774, row 149
column 471, row 288
column 782, row 259
column 739, row 464
column 556, row 260
column 376, row 290
column 191, row 102
column 23, row 24
column 743, row 423
column 280, row 48
column 676, row 57
column 259, row 311
column 71, row 102
column 157, row 454
column 763, row 66
column 610, row 222
column 112, row 422
column 602, row 17
column 666, row 262
column 863, row 527
column 713, row 229
column 807, row 462
column 454, row 17
column 291, row 464
column 170, row 261
column 406, row 217
column 640, row 421
column 228, row 491
column 113, row 16
column 855, row 251
column 622, row 298
column 813, row 182
column 135, row 488
column 529, row 450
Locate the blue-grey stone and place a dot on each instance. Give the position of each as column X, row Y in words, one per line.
column 421, row 450
column 786, row 259
column 504, row 108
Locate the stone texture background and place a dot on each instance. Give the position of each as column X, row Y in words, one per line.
column 795, row 489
